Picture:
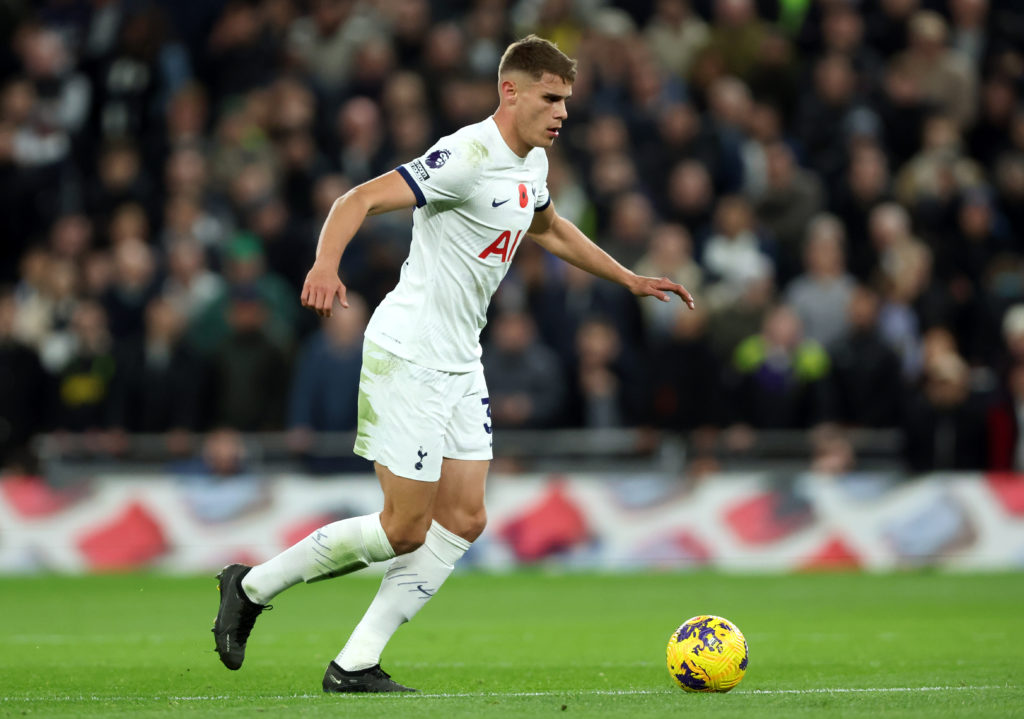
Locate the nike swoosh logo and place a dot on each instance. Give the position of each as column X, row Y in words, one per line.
column 495, row 203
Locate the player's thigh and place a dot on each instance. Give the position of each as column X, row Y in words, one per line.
column 467, row 456
column 403, row 411
column 459, row 505
column 408, row 508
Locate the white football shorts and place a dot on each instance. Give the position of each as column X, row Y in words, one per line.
column 411, row 416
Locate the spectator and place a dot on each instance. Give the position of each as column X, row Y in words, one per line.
column 685, row 375
column 821, row 295
column 485, row 29
column 324, row 42
column 887, row 24
column 866, row 370
column 410, row 21
column 567, row 190
column 734, row 321
column 190, row 286
column 187, row 220
column 160, row 381
column 943, row 74
column 561, row 308
column 220, row 484
column 187, row 117
column 360, row 152
column 241, row 51
column 245, row 268
column 842, row 31
column 141, row 73
column 675, row 35
column 778, row 379
column 864, row 187
column 524, row 376
column 71, row 236
column 22, row 385
column 250, row 372
column 324, row 390
column 734, row 255
column 825, row 109
column 764, row 128
column 1010, row 182
column 888, row 230
column 611, row 174
column 84, row 382
column 284, row 249
column 630, row 224
column 682, row 138
column 969, row 34
column 1003, row 425
column 934, row 176
column 64, row 95
column 990, row 136
column 736, row 36
column 122, row 181
column 906, row 272
column 1012, row 339
column 776, row 76
column 944, row 424
column 791, row 197
column 902, row 108
column 690, row 198
column 971, row 252
column 670, row 255
column 133, row 286
column 610, row 390
column 128, row 223
column 46, row 304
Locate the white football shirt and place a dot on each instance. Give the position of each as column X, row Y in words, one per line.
column 475, row 199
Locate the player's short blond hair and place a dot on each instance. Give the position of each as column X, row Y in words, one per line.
column 536, row 56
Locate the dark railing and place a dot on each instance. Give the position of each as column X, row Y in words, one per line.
column 67, row 456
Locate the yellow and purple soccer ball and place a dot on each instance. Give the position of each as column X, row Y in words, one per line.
column 707, row 654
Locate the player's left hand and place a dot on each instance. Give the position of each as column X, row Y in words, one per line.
column 322, row 285
column 660, row 287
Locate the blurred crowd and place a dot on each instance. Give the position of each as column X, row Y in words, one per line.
column 839, row 183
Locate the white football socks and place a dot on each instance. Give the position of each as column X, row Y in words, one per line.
column 409, row 583
column 335, row 549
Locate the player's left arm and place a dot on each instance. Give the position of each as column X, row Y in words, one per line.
column 563, row 239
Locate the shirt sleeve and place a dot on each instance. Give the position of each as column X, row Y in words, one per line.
column 446, row 173
column 540, row 184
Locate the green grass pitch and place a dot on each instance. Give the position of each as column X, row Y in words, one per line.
column 524, row 645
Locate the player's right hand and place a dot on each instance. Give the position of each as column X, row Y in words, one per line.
column 322, row 285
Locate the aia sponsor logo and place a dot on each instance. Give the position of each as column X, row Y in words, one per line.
column 504, row 246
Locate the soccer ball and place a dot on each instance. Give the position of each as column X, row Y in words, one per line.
column 707, row 654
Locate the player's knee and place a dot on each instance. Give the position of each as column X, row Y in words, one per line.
column 477, row 523
column 406, row 532
column 406, row 538
column 469, row 524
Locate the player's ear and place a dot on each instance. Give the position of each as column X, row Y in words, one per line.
column 509, row 90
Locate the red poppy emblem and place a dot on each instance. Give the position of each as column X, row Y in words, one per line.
column 523, row 197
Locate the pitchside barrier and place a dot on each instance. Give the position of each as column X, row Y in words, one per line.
column 749, row 521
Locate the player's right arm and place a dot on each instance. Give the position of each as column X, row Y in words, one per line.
column 381, row 194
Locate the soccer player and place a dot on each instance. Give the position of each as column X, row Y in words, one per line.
column 423, row 408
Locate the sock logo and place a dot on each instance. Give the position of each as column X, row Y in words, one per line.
column 422, row 454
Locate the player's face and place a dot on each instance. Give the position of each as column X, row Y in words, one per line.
column 540, row 110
